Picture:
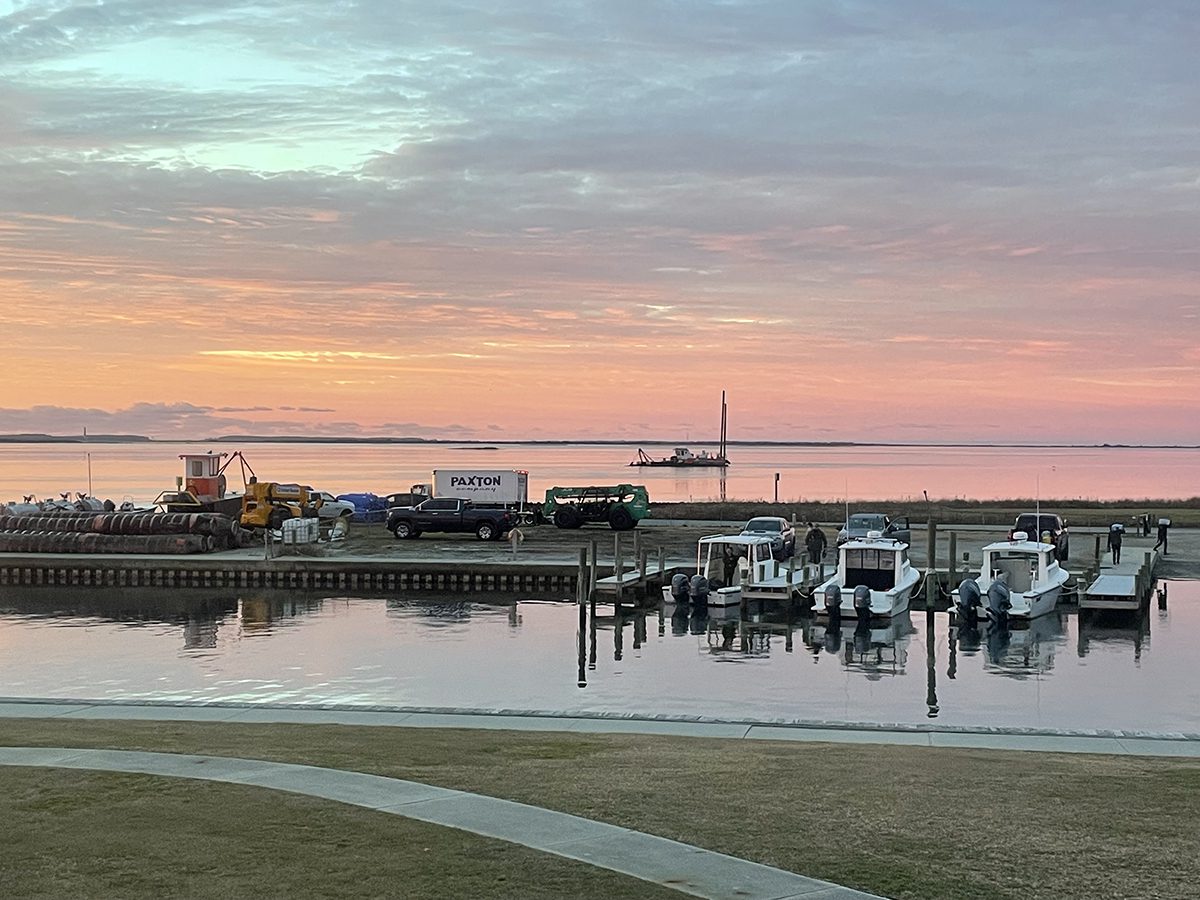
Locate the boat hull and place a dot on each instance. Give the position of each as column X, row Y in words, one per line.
column 1032, row 604
column 684, row 464
column 884, row 604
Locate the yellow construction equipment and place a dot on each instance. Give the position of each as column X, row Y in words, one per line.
column 268, row 504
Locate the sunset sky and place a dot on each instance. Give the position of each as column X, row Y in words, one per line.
column 895, row 220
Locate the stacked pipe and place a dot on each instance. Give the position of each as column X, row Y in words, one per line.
column 75, row 542
column 91, row 532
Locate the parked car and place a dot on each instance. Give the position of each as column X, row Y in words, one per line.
column 1045, row 526
column 859, row 525
column 328, row 506
column 779, row 530
column 405, row 498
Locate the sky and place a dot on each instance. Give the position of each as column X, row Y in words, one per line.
column 905, row 220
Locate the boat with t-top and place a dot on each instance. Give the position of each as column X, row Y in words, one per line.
column 1018, row 579
column 733, row 567
column 873, row 578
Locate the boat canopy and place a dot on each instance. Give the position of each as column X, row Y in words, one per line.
column 873, row 562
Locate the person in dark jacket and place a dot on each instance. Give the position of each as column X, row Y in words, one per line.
column 815, row 543
column 1163, row 525
column 1115, row 535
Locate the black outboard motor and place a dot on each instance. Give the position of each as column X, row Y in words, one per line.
column 679, row 588
column 970, row 600
column 998, row 600
column 862, row 601
column 699, row 590
column 833, row 599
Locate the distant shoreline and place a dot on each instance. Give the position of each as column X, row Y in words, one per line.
column 460, row 444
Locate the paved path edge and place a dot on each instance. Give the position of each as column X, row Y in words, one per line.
column 1121, row 743
column 683, row 867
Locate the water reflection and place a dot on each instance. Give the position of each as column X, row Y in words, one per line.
column 874, row 648
column 450, row 651
column 1114, row 629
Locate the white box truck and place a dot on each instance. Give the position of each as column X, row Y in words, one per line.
column 501, row 488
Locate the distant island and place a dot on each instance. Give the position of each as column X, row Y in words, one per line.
column 467, row 444
column 37, row 438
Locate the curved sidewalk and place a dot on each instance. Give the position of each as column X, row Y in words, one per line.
column 1117, row 743
column 685, row 868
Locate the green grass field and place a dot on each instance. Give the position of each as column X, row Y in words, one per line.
column 900, row 821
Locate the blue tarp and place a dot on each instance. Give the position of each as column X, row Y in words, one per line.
column 367, row 507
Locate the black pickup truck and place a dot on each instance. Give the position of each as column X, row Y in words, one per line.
column 449, row 515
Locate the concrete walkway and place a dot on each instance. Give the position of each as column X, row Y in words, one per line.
column 692, row 870
column 1119, row 743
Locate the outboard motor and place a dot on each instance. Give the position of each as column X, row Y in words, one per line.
column 998, row 600
column 679, row 588
column 833, row 599
column 970, row 599
column 699, row 590
column 862, row 601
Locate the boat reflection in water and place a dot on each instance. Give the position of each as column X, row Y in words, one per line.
column 1012, row 652
column 873, row 647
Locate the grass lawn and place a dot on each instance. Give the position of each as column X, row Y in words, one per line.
column 900, row 821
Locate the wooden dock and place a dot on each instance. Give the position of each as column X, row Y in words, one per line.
column 296, row 573
column 1123, row 587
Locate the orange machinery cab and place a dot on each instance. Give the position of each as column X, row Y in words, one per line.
column 202, row 476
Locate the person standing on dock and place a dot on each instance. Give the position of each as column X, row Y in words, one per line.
column 815, row 543
column 1163, row 525
column 1115, row 534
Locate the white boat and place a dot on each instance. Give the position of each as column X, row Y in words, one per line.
column 1022, row 573
column 734, row 566
column 873, row 577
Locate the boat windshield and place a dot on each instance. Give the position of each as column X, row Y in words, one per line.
column 875, row 568
column 1019, row 569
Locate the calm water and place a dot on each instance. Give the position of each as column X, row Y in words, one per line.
column 1061, row 672
column 821, row 474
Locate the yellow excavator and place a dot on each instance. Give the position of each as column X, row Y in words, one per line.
column 268, row 504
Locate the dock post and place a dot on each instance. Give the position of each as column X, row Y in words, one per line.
column 637, row 544
column 618, row 564
column 581, row 680
column 930, row 566
column 642, row 561
column 791, row 567
column 1148, row 565
column 581, row 583
column 952, row 563
column 1098, row 554
column 594, row 571
column 662, row 562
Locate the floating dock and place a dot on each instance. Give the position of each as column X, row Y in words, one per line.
column 1123, row 587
